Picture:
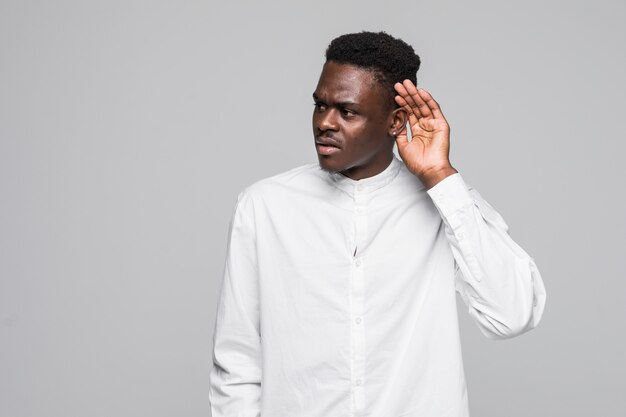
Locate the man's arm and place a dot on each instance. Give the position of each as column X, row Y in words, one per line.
column 496, row 278
column 235, row 378
column 498, row 281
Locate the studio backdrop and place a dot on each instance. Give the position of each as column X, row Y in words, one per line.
column 127, row 129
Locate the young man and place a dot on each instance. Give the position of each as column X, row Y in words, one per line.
column 338, row 296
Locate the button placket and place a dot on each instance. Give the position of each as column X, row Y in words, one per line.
column 357, row 296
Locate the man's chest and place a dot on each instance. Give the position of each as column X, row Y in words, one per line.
column 307, row 234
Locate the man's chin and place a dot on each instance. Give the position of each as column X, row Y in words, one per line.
column 329, row 167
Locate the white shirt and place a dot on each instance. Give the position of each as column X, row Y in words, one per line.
column 338, row 296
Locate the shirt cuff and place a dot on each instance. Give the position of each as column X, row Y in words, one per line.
column 450, row 194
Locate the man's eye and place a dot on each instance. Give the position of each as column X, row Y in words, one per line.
column 319, row 106
column 348, row 112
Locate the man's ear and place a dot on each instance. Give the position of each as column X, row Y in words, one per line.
column 399, row 117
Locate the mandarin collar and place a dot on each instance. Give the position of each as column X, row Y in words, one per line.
column 366, row 185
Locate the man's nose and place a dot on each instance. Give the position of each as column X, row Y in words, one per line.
column 328, row 120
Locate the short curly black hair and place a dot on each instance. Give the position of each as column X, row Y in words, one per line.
column 390, row 59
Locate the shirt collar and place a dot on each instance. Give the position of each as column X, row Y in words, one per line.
column 369, row 184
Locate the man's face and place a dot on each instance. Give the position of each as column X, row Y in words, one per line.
column 351, row 122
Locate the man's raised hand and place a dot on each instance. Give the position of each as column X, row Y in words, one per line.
column 427, row 154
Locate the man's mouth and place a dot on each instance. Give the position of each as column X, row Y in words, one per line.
column 326, row 146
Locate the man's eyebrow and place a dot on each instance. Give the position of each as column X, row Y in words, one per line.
column 341, row 103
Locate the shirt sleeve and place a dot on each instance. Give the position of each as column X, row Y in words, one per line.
column 498, row 281
column 235, row 378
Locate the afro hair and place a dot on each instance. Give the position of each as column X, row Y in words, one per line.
column 390, row 60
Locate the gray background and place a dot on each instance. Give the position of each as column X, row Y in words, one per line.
column 127, row 129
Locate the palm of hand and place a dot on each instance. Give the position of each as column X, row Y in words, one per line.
column 430, row 133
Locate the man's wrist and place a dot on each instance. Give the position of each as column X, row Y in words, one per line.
column 433, row 176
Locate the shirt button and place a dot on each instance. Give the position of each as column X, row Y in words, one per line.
column 358, row 320
column 460, row 235
column 359, row 187
column 359, row 209
column 358, row 381
column 357, row 263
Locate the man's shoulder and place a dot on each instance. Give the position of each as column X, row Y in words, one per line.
column 293, row 181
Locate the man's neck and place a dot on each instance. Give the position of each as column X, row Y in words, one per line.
column 361, row 172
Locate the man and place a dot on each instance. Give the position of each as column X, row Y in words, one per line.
column 338, row 296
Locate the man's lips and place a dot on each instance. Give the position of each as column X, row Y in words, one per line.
column 326, row 146
column 326, row 141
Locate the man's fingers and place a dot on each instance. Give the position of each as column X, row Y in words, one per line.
column 401, row 98
column 408, row 97
column 415, row 99
column 400, row 89
column 400, row 101
column 405, row 100
column 413, row 119
column 433, row 106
